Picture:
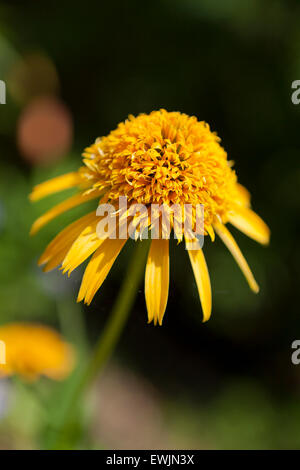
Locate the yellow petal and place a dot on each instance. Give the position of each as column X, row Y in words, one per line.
column 59, row 209
column 87, row 242
column 157, row 280
column 244, row 196
column 251, row 224
column 64, row 240
column 55, row 260
column 55, row 185
column 232, row 246
column 211, row 233
column 202, row 280
column 98, row 268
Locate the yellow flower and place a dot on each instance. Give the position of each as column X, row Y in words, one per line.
column 163, row 158
column 31, row 350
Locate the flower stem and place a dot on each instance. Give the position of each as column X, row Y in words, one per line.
column 105, row 345
column 119, row 314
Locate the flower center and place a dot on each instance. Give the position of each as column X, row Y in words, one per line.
column 164, row 157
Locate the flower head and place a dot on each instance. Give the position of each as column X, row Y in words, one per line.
column 31, row 350
column 164, row 158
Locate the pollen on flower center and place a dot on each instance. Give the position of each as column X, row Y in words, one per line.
column 164, row 157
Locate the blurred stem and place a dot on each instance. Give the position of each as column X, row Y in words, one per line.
column 119, row 314
column 105, row 344
column 31, row 391
column 72, row 323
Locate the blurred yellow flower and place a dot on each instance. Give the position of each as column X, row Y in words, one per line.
column 161, row 158
column 31, row 350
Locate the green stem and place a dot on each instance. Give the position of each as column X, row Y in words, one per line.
column 72, row 323
column 105, row 344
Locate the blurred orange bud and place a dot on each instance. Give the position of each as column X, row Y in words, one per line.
column 44, row 131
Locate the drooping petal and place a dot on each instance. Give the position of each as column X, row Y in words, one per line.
column 56, row 260
column 69, row 180
column 232, row 246
column 98, row 268
column 85, row 245
column 202, row 280
column 60, row 245
column 251, row 224
column 244, row 196
column 211, row 233
column 59, row 209
column 157, row 280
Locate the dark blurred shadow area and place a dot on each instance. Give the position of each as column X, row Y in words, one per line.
column 72, row 72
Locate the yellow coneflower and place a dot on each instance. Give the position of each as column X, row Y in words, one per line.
column 31, row 350
column 163, row 158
